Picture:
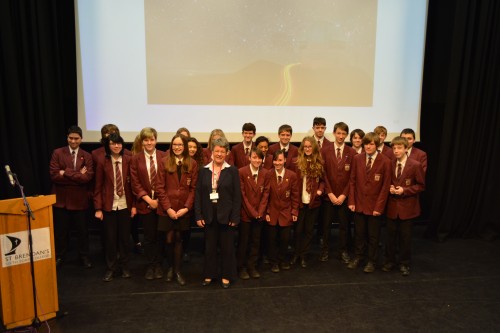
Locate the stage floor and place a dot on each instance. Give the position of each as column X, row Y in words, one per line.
column 453, row 287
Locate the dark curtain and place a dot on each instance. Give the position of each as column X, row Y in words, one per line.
column 37, row 88
column 459, row 117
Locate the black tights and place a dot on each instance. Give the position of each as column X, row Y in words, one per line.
column 174, row 249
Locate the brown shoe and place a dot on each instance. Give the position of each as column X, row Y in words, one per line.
column 344, row 257
column 244, row 274
column 405, row 270
column 158, row 272
column 388, row 266
column 275, row 268
column 324, row 256
column 369, row 268
column 180, row 279
column 353, row 264
column 254, row 274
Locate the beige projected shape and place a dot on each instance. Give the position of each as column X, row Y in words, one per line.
column 255, row 52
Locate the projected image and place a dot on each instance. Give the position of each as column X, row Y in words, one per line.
column 260, row 52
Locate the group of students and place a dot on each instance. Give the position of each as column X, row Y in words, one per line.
column 241, row 195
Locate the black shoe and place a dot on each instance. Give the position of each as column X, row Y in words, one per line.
column 138, row 248
column 244, row 274
column 303, row 262
column 344, row 257
column 275, row 268
column 225, row 285
column 369, row 268
column 405, row 270
column 180, row 279
column 254, row 274
column 150, row 273
column 206, row 282
column 294, row 260
column 388, row 266
column 158, row 272
column 126, row 273
column 86, row 263
column 285, row 266
column 353, row 264
column 324, row 256
column 186, row 257
column 170, row 275
column 108, row 277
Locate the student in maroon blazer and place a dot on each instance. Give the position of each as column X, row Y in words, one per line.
column 319, row 128
column 263, row 144
column 71, row 171
column 413, row 152
column 282, row 210
column 368, row 191
column 338, row 160
column 285, row 136
column 407, row 181
column 254, row 195
column 309, row 169
column 114, row 204
column 240, row 152
column 176, row 189
column 144, row 177
column 356, row 138
column 381, row 131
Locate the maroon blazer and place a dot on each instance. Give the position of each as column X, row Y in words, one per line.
column 407, row 205
column 387, row 151
column 268, row 162
column 174, row 193
column 419, row 155
column 327, row 144
column 283, row 199
column 104, row 191
column 140, row 179
column 318, row 183
column 71, row 189
column 293, row 152
column 337, row 175
column 368, row 191
column 254, row 195
column 238, row 158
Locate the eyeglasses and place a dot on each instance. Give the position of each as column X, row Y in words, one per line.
column 115, row 143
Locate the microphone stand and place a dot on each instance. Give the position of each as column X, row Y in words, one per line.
column 29, row 216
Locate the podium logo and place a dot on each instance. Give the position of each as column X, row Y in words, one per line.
column 15, row 242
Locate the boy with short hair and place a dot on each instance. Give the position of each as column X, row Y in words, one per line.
column 381, row 131
column 319, row 128
column 291, row 151
column 403, row 206
column 240, row 153
column 414, row 152
column 338, row 159
column 368, row 191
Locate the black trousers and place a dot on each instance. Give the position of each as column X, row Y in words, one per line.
column 249, row 243
column 117, row 225
column 304, row 229
column 224, row 235
column 63, row 221
column 277, row 253
column 367, row 229
column 398, row 230
column 152, row 247
column 342, row 211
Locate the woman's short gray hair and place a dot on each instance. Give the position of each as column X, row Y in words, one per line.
column 220, row 142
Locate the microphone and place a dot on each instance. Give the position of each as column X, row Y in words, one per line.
column 9, row 174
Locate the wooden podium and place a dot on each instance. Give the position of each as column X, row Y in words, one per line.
column 16, row 307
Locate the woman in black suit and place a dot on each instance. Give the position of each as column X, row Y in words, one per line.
column 217, row 210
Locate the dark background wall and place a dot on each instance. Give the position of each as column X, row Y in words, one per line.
column 459, row 117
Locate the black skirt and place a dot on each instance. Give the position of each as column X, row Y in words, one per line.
column 165, row 223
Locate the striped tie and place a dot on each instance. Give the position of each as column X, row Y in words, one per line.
column 119, row 181
column 152, row 173
column 369, row 164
